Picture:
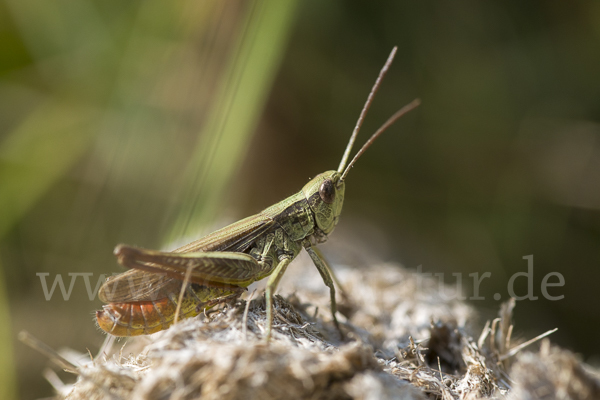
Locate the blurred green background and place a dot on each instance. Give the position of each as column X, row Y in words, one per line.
column 146, row 122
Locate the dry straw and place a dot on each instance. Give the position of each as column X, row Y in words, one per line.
column 399, row 343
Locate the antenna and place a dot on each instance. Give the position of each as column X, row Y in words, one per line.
column 409, row 107
column 366, row 107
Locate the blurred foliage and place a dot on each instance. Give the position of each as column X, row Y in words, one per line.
column 8, row 386
column 122, row 108
column 115, row 125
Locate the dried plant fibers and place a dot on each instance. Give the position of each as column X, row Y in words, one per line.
column 401, row 343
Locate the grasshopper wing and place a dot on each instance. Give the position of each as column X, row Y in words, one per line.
column 237, row 237
column 135, row 285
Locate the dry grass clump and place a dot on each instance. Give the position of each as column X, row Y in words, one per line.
column 402, row 340
column 552, row 373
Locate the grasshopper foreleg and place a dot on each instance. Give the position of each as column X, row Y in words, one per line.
column 343, row 292
column 324, row 269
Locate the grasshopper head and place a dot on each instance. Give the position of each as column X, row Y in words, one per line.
column 325, row 195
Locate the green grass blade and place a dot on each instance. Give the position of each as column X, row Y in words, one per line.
column 243, row 92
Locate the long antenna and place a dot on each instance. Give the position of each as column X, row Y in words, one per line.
column 366, row 107
column 409, row 107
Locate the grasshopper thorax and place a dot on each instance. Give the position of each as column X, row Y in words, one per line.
column 325, row 196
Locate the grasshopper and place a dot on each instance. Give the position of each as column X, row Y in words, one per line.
column 220, row 266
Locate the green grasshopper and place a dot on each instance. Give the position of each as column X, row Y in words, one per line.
column 220, row 266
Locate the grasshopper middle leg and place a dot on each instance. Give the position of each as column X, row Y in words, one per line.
column 271, row 286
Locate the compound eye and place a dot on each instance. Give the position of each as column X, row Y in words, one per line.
column 327, row 191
